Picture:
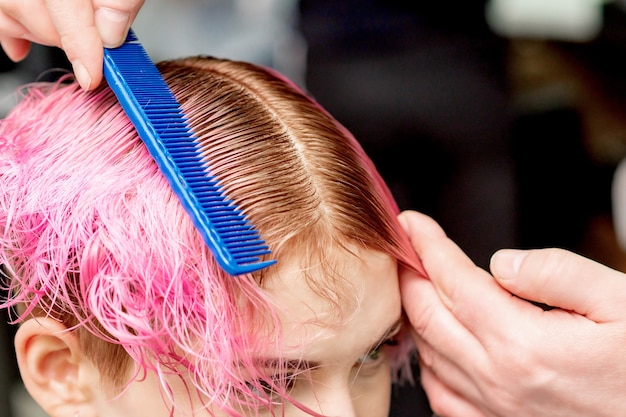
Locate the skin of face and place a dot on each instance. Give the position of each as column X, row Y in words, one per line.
column 349, row 375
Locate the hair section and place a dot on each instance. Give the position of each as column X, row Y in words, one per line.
column 91, row 234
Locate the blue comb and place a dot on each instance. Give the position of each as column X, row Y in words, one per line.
column 163, row 127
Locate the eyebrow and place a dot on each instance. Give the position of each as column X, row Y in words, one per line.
column 391, row 332
column 303, row 365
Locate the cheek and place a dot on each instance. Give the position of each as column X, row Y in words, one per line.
column 145, row 398
column 372, row 395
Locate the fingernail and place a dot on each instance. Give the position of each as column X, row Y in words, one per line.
column 82, row 75
column 112, row 26
column 505, row 264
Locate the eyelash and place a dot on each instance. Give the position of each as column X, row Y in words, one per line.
column 374, row 356
column 265, row 390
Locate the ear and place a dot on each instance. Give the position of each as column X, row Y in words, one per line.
column 54, row 370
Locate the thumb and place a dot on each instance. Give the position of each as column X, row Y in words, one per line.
column 79, row 39
column 562, row 279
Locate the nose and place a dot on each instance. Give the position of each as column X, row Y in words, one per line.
column 332, row 399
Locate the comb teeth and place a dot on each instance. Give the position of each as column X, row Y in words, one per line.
column 163, row 127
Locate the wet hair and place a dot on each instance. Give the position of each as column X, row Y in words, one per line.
column 92, row 235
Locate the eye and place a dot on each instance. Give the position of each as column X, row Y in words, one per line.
column 376, row 355
column 272, row 387
column 260, row 388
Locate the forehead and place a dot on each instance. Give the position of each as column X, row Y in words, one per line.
column 348, row 302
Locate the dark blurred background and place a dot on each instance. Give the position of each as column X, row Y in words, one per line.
column 422, row 85
column 507, row 131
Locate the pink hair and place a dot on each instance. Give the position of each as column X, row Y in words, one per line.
column 92, row 235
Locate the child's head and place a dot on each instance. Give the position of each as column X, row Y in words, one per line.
column 94, row 241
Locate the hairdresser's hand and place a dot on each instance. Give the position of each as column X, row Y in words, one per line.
column 80, row 27
column 487, row 353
